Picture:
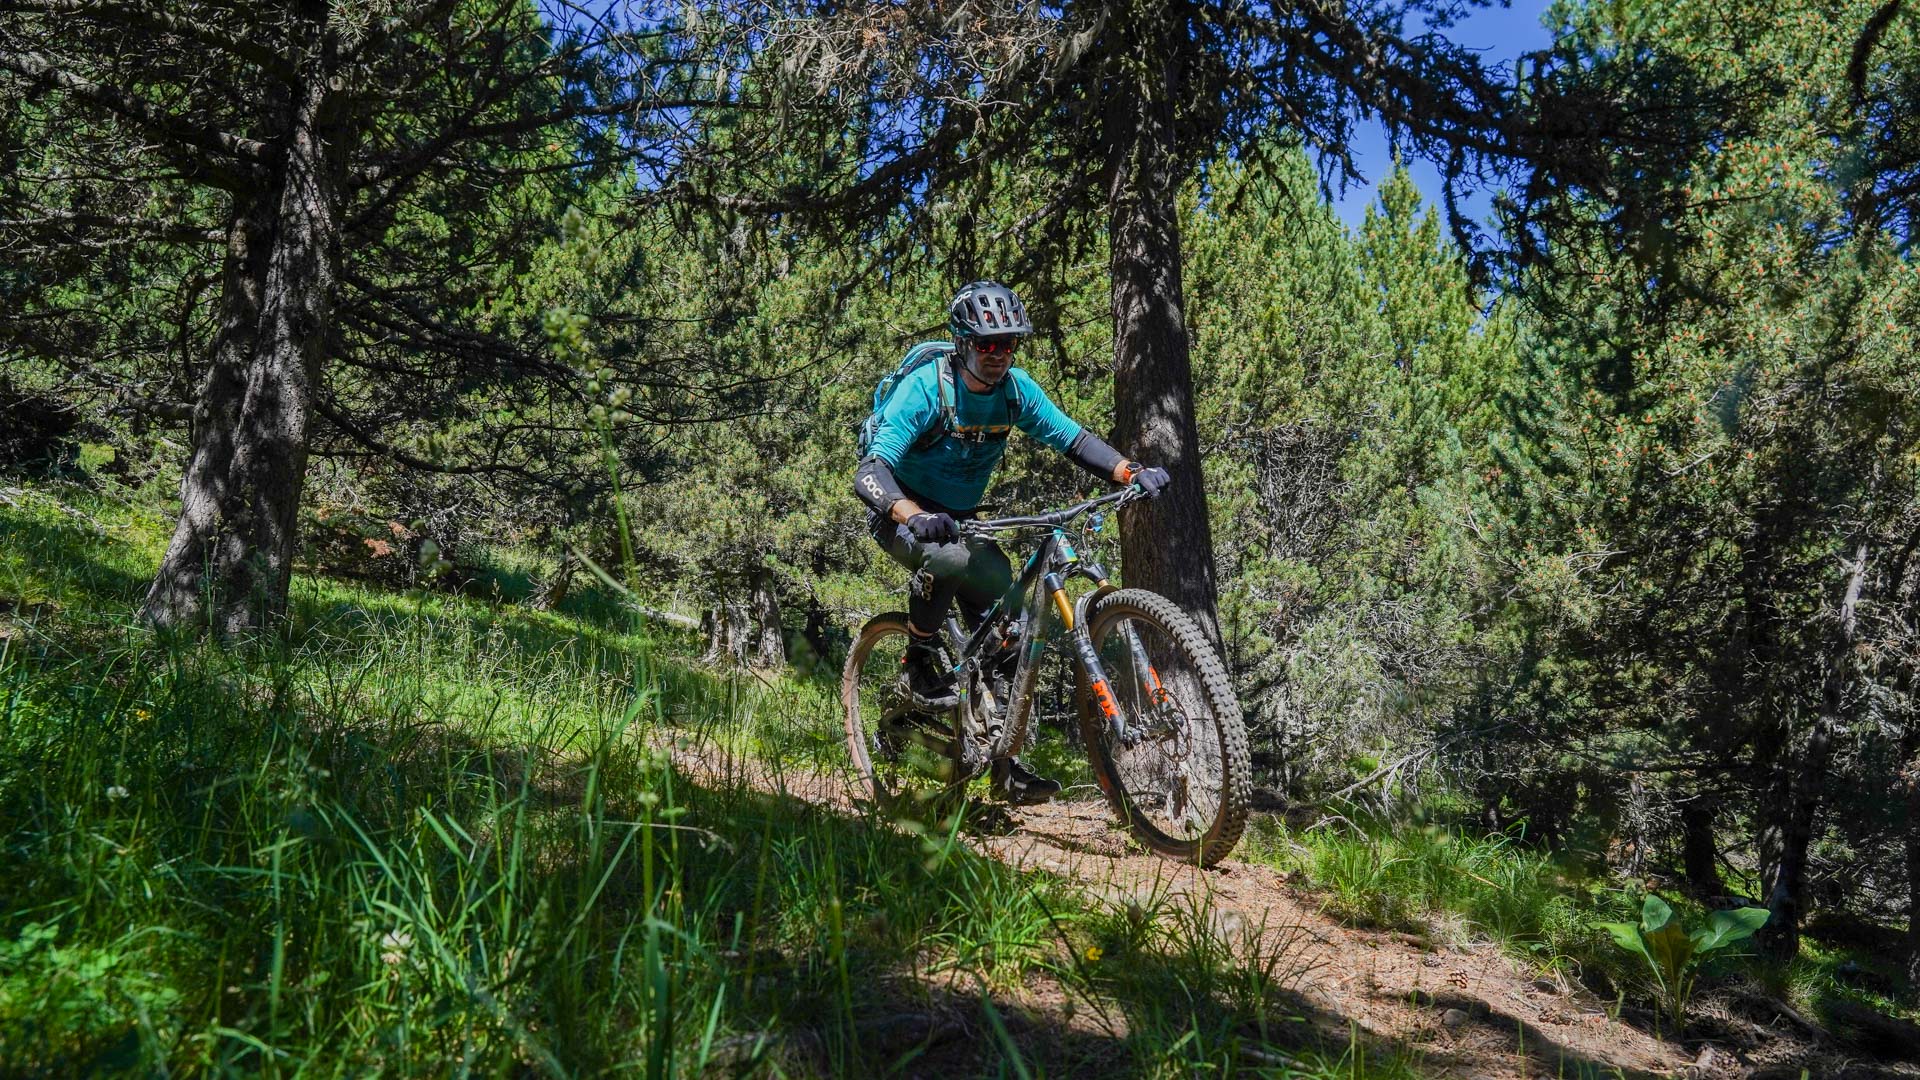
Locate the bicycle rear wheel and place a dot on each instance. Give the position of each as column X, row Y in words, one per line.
column 1181, row 780
column 893, row 745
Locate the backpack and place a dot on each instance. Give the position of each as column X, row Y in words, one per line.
column 941, row 353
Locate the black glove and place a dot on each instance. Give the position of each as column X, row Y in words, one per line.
column 1150, row 478
column 934, row 528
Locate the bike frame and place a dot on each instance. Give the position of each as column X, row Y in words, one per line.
column 1039, row 590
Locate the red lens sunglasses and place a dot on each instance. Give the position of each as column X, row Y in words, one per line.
column 1003, row 346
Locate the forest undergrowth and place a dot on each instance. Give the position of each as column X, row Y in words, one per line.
column 428, row 834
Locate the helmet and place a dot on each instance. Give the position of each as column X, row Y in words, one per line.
column 987, row 309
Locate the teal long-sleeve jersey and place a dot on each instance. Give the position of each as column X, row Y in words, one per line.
column 955, row 471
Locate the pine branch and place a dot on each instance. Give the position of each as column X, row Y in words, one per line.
column 212, row 141
column 140, row 17
column 158, row 230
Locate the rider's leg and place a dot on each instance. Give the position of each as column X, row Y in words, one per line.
column 938, row 570
column 985, row 580
column 982, row 579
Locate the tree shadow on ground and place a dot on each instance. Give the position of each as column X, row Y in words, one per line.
column 765, row 876
column 81, row 555
column 1536, row 1041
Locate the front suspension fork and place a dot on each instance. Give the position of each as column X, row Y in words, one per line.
column 1091, row 669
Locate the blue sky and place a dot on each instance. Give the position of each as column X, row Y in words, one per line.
column 1500, row 33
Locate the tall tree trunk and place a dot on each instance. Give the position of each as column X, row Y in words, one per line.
column 1907, row 778
column 231, row 556
column 1910, row 782
column 179, row 589
column 770, row 641
column 1786, row 894
column 1699, row 855
column 1167, row 544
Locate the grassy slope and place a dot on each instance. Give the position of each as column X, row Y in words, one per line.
column 433, row 835
column 1453, row 884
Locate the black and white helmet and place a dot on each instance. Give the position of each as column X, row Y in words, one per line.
column 987, row 309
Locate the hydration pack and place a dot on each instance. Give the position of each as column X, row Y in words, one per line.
column 941, row 354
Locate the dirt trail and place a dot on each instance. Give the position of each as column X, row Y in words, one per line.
column 1471, row 1012
column 1467, row 1011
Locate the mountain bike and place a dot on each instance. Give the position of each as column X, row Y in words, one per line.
column 1161, row 727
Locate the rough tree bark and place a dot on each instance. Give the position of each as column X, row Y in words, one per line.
column 1699, row 854
column 749, row 632
column 176, row 593
column 1786, row 893
column 231, row 557
column 1910, row 783
column 770, row 643
column 724, row 627
column 1907, row 779
column 1167, row 544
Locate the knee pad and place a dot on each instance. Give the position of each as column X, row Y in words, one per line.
column 921, row 583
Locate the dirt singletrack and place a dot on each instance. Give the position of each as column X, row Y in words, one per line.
column 1468, row 1009
column 1465, row 1011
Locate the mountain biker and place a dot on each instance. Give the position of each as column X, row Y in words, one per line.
column 916, row 486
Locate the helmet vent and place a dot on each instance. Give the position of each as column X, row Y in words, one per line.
column 987, row 307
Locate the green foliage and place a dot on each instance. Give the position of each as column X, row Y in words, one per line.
column 1714, row 406
column 1448, row 882
column 430, row 829
column 65, row 1007
column 1574, row 555
column 1347, row 385
column 1673, row 954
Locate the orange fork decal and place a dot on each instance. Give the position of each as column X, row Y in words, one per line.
column 1103, row 694
column 1156, row 693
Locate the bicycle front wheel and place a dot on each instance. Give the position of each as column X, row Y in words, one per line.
column 1167, row 742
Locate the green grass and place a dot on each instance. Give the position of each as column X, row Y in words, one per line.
column 1453, row 884
column 428, row 835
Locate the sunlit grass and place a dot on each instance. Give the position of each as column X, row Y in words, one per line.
column 424, row 834
column 1450, row 884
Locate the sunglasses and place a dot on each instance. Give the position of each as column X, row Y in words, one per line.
column 1000, row 347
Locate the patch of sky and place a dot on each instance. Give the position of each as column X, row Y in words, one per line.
column 1500, row 33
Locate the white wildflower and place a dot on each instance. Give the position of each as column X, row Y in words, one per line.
column 116, row 792
column 393, row 947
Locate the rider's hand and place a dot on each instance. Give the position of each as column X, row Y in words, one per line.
column 933, row 528
column 1150, row 478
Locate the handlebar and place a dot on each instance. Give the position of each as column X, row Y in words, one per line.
column 1053, row 520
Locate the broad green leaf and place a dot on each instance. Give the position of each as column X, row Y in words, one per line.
column 1654, row 914
column 1671, row 950
column 1727, row 927
column 1627, row 936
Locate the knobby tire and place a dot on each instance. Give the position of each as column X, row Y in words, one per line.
column 888, row 784
column 1236, row 773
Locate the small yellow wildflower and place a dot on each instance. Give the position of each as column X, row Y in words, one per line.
column 1094, row 954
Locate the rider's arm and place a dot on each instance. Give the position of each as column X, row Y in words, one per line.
column 906, row 416
column 875, row 485
column 1092, row 453
column 1042, row 419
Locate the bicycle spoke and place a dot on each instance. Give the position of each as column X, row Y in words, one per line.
column 1171, row 762
column 1173, row 756
column 894, row 749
